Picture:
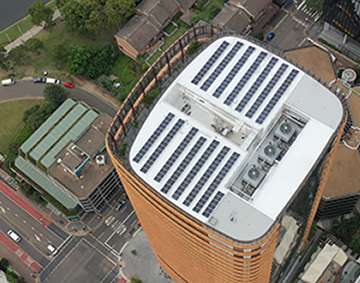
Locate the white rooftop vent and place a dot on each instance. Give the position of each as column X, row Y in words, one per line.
column 285, row 131
column 100, row 160
column 254, row 176
column 269, row 153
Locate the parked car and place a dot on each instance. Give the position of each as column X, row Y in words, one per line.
column 270, row 36
column 69, row 85
column 7, row 82
column 120, row 205
column 39, row 80
column 52, row 81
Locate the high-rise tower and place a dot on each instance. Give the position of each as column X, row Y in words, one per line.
column 213, row 165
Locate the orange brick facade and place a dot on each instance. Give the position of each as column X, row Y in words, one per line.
column 188, row 250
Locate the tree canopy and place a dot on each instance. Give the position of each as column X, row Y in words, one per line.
column 55, row 95
column 40, row 13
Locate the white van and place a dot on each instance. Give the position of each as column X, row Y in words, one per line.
column 7, row 82
column 52, row 249
column 15, row 237
column 52, row 81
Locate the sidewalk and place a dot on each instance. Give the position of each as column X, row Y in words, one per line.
column 29, row 34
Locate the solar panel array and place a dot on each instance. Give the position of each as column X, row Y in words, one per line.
column 175, row 155
column 199, row 164
column 218, row 179
column 214, row 202
column 206, row 176
column 245, row 78
column 231, row 75
column 210, row 62
column 266, row 91
column 153, row 137
column 180, row 169
column 276, row 97
column 256, row 84
column 164, row 143
column 209, row 81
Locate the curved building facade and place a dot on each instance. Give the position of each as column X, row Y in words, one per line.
column 213, row 163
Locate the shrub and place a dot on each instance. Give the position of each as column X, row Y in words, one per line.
column 259, row 35
column 193, row 46
column 34, row 44
column 150, row 97
column 122, row 150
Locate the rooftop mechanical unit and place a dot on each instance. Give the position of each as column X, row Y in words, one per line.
column 269, row 153
column 285, row 131
column 100, row 160
column 254, row 176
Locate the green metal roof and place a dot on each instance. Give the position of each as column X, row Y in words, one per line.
column 59, row 130
column 72, row 134
column 45, row 183
column 47, row 125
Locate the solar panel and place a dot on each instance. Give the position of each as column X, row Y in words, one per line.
column 162, row 146
column 190, row 176
column 266, row 91
column 188, row 158
column 221, row 66
column 210, row 62
column 175, row 155
column 256, row 84
column 214, row 202
column 205, row 177
column 245, row 78
column 230, row 76
column 153, row 137
column 216, row 182
column 279, row 93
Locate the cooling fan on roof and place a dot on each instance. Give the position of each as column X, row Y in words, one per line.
column 253, row 176
column 270, row 150
column 285, row 131
column 285, row 127
column 254, row 173
column 269, row 153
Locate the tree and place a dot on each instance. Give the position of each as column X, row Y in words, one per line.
column 40, row 13
column 259, row 35
column 55, row 95
column 35, row 120
column 3, row 57
column 18, row 55
column 105, row 82
column 135, row 280
column 26, row 189
column 199, row 5
column 13, row 148
column 27, row 113
column 4, row 264
column 315, row 4
column 60, row 55
column 119, row 11
column 78, row 60
column 34, row 44
column 75, row 15
column 37, row 197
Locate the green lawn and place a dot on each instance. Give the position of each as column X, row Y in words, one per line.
column 25, row 24
column 209, row 12
column 11, row 113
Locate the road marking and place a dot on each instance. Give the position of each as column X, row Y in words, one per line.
column 100, row 252
column 106, row 246
column 8, row 208
column 3, row 210
column 16, row 215
column 108, row 274
column 32, row 228
column 121, row 223
column 37, row 238
column 109, row 220
column 41, row 235
column 24, row 221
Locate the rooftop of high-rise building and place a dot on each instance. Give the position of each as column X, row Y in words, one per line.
column 235, row 135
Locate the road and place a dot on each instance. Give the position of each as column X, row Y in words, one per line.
column 13, row 11
column 27, row 89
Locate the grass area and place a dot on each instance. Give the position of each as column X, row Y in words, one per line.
column 128, row 71
column 169, row 28
column 210, row 11
column 25, row 25
column 11, row 113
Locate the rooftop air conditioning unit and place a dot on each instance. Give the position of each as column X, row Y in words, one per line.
column 254, row 176
column 285, row 131
column 100, row 160
column 269, row 153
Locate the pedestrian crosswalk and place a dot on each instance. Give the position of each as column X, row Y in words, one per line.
column 311, row 13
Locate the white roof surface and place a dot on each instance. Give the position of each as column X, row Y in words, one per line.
column 170, row 151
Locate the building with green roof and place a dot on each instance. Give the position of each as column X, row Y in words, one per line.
column 66, row 158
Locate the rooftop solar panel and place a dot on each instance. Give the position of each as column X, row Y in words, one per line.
column 266, row 91
column 230, row 76
column 153, row 137
column 199, row 164
column 214, row 202
column 206, row 176
column 210, row 62
column 175, row 155
column 184, row 163
column 221, row 66
column 271, row 104
column 245, row 78
column 256, row 84
column 216, row 182
column 162, row 146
